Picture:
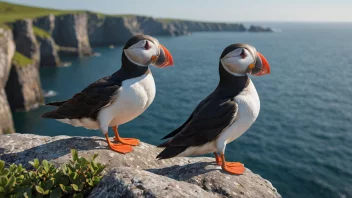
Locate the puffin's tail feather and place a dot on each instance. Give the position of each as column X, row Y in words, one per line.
column 57, row 104
column 170, row 152
column 51, row 115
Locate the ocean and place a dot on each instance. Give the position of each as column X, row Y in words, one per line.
column 302, row 139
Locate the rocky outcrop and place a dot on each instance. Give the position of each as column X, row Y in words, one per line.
column 71, row 30
column 116, row 30
column 44, row 27
column 23, row 87
column 184, row 26
column 138, row 174
column 7, row 50
column 111, row 30
column 151, row 26
column 49, row 56
column 48, row 52
column 26, row 42
column 46, row 23
column 254, row 28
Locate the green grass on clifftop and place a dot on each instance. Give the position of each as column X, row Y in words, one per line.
column 40, row 32
column 11, row 12
column 21, row 60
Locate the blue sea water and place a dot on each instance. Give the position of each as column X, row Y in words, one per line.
column 302, row 139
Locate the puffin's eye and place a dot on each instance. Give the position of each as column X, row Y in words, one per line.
column 146, row 46
column 243, row 54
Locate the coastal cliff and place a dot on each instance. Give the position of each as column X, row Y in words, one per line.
column 43, row 29
column 185, row 27
column 116, row 30
column 139, row 174
column 72, row 31
column 23, row 87
column 7, row 50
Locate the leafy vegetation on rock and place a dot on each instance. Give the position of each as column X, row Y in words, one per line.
column 75, row 179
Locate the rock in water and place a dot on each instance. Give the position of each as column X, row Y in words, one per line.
column 139, row 174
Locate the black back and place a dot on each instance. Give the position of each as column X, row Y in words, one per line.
column 88, row 102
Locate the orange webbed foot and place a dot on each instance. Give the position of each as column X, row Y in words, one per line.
column 128, row 141
column 120, row 148
column 236, row 168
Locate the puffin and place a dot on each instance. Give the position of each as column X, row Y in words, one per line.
column 225, row 114
column 120, row 97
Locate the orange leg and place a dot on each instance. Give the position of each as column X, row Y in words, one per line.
column 120, row 148
column 129, row 141
column 218, row 159
column 230, row 167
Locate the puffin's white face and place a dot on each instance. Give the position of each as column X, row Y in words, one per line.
column 141, row 53
column 239, row 61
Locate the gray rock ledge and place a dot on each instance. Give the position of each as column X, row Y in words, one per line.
column 138, row 174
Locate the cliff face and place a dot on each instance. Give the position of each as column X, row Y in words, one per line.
column 48, row 50
column 194, row 26
column 254, row 28
column 116, row 30
column 26, row 42
column 72, row 31
column 7, row 50
column 46, row 23
column 23, row 87
column 111, row 30
column 139, row 174
column 151, row 26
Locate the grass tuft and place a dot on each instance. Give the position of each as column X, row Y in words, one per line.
column 40, row 33
column 21, row 60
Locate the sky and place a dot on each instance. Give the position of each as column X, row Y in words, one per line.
column 211, row 10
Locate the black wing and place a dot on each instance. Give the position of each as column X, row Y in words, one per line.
column 211, row 117
column 88, row 102
column 176, row 131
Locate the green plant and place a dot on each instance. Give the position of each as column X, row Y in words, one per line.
column 75, row 179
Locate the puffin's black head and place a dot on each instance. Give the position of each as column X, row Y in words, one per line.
column 239, row 59
column 144, row 50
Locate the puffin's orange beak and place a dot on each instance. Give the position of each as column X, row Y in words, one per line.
column 262, row 66
column 164, row 59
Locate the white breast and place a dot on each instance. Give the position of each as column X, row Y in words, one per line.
column 248, row 111
column 133, row 98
